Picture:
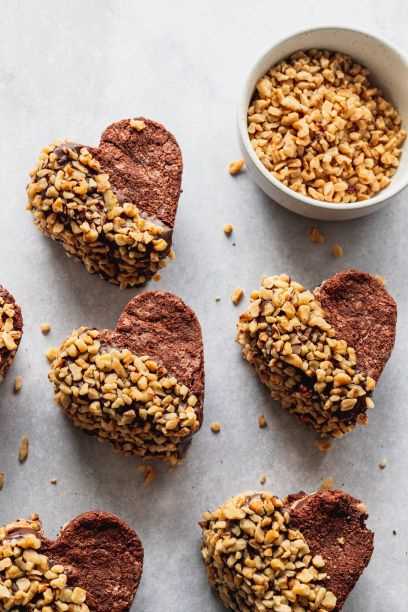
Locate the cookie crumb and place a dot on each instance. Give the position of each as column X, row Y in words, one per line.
column 137, row 124
column 54, row 481
column 341, row 541
column 236, row 167
column 23, row 449
column 262, row 479
column 215, row 427
column 327, row 484
column 2, row 480
column 316, row 236
column 157, row 277
column 337, row 250
column 149, row 474
column 323, row 445
column 228, row 229
column 18, row 384
column 262, row 422
column 383, row 464
column 45, row 328
column 380, row 279
column 52, row 354
column 237, row 295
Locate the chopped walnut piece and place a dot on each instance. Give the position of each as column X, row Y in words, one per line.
column 215, row 427
column 149, row 474
column 45, row 328
column 327, row 484
column 51, row 354
column 228, row 229
column 262, row 479
column 2, row 480
column 18, row 384
column 262, row 422
column 137, row 124
column 316, row 236
column 236, row 167
column 323, row 445
column 237, row 296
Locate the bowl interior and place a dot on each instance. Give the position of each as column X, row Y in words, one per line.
column 389, row 71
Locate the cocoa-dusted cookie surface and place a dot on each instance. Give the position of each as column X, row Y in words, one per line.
column 321, row 353
column 333, row 524
column 301, row 553
column 95, row 565
column 140, row 386
column 112, row 206
column 11, row 330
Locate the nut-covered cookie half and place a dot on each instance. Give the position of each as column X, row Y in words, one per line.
column 113, row 206
column 140, row 386
column 302, row 553
column 321, row 353
column 95, row 565
column 11, row 330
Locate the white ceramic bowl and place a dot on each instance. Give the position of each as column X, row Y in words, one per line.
column 389, row 70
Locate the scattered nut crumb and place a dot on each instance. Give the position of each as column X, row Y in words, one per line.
column 316, row 236
column 149, row 474
column 18, row 383
column 327, row 484
column 2, row 480
column 237, row 295
column 323, row 445
column 380, row 278
column 23, row 449
column 383, row 464
column 218, row 299
column 137, row 124
column 52, row 353
column 236, row 167
column 262, row 422
column 262, row 479
column 45, row 328
column 215, row 427
column 157, row 277
column 337, row 250
column 228, row 229
column 341, row 541
column 54, row 481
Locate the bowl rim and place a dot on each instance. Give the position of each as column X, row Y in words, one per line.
column 383, row 195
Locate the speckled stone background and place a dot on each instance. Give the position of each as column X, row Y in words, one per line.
column 68, row 69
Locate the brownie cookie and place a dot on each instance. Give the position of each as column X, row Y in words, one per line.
column 11, row 330
column 95, row 565
column 321, row 354
column 301, row 553
column 140, row 386
column 114, row 206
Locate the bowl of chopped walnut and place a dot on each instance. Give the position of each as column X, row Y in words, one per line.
column 321, row 123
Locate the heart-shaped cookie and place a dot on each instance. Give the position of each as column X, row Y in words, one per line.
column 301, row 553
column 114, row 206
column 140, row 386
column 11, row 330
column 95, row 565
column 321, row 354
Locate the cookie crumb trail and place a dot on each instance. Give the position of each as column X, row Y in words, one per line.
column 137, row 124
column 236, row 167
column 327, row 484
column 18, row 384
column 262, row 422
column 215, row 427
column 237, row 296
column 316, row 236
column 2, row 480
column 337, row 250
column 45, row 328
column 228, row 229
column 23, row 449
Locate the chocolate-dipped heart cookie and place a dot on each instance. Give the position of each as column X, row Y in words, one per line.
column 114, row 206
column 140, row 386
column 321, row 354
column 302, row 553
column 95, row 565
column 11, row 330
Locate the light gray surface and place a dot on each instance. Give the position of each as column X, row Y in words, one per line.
column 69, row 69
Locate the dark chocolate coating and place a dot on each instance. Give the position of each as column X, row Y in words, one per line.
column 144, row 167
column 325, row 516
column 364, row 314
column 101, row 554
column 162, row 326
column 7, row 357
